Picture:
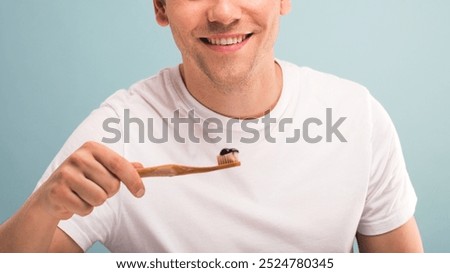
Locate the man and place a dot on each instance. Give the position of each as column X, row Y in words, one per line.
column 341, row 175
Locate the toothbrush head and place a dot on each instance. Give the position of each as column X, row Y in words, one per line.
column 228, row 156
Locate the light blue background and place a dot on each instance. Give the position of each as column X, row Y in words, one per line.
column 59, row 59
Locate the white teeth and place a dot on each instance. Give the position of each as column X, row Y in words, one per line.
column 227, row 41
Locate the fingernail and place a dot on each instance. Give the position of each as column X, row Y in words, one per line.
column 140, row 193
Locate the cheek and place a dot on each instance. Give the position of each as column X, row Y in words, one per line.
column 272, row 29
column 184, row 41
column 179, row 36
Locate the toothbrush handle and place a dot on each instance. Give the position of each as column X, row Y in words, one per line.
column 173, row 170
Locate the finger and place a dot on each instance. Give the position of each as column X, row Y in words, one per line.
column 137, row 165
column 119, row 167
column 74, row 204
column 89, row 191
column 98, row 174
column 85, row 167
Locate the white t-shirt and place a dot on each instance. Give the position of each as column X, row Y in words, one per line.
column 328, row 166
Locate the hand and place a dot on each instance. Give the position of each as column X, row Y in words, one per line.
column 86, row 179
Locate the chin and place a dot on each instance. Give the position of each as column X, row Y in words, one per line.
column 231, row 74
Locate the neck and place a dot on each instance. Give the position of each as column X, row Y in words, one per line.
column 251, row 97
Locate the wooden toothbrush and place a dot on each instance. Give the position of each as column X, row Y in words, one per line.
column 227, row 158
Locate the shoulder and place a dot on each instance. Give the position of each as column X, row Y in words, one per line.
column 313, row 91
column 321, row 84
column 147, row 92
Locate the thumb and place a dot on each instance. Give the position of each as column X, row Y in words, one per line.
column 137, row 165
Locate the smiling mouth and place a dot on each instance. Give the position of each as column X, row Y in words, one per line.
column 229, row 41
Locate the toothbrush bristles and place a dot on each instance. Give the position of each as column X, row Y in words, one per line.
column 228, row 156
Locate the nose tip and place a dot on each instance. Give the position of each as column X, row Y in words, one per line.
column 224, row 12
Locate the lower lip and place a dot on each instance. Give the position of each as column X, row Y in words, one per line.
column 228, row 48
